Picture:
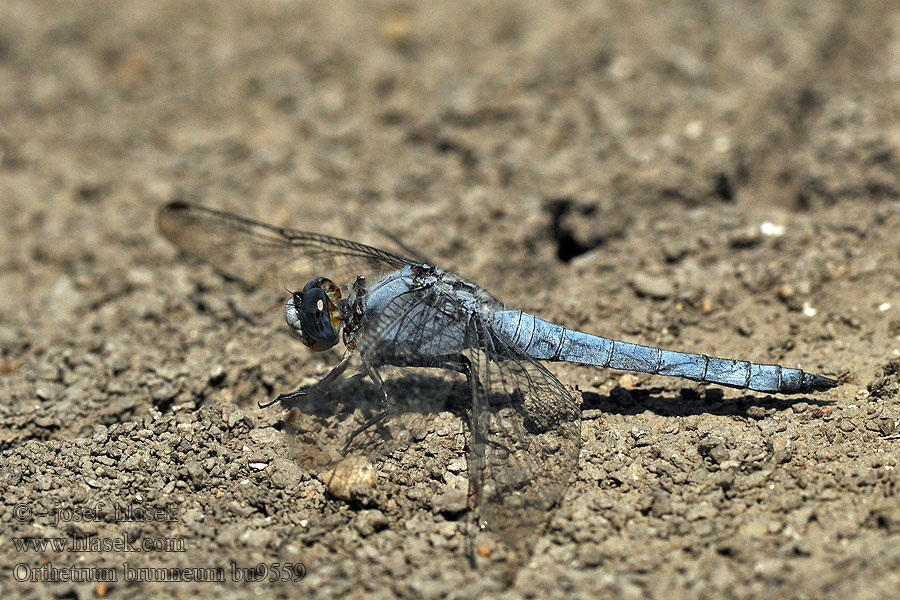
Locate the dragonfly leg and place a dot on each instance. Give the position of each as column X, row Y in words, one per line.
column 375, row 376
column 323, row 384
column 377, row 418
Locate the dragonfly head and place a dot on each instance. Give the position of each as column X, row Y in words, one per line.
column 313, row 314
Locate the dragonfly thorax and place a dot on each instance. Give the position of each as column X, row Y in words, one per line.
column 313, row 314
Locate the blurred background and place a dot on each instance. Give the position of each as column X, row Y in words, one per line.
column 533, row 128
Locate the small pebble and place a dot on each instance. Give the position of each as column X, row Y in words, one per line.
column 351, row 479
column 652, row 286
column 449, row 502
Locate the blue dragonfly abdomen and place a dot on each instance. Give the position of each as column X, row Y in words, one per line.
column 543, row 340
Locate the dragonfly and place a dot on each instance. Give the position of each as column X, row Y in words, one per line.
column 391, row 313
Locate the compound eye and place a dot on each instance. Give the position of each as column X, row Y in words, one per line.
column 315, row 318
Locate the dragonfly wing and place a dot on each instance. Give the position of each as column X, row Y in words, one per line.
column 389, row 414
column 399, row 408
column 278, row 257
column 526, row 437
column 362, row 418
column 413, row 328
column 525, row 426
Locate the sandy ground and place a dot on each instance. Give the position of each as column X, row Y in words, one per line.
column 713, row 177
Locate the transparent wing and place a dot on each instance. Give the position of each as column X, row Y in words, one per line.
column 525, row 427
column 413, row 326
column 257, row 253
column 397, row 407
column 358, row 418
column 526, row 437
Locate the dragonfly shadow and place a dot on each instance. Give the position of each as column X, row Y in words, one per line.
column 689, row 402
column 517, row 469
column 352, row 418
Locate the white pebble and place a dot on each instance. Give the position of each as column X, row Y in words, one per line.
column 769, row 229
column 722, row 144
column 694, row 129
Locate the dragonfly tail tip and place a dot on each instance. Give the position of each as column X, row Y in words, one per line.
column 819, row 383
